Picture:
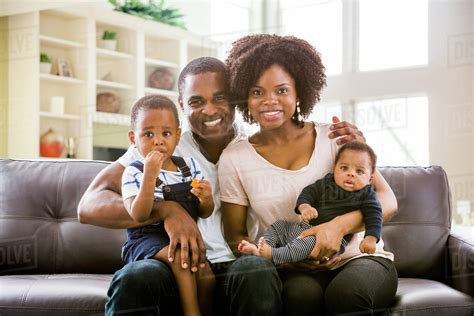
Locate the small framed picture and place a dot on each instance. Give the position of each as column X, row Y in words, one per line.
column 64, row 68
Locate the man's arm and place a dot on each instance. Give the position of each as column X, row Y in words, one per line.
column 102, row 205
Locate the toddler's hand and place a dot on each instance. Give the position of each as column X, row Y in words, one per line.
column 203, row 191
column 368, row 245
column 153, row 163
column 307, row 212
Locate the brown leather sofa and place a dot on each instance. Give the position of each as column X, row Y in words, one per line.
column 50, row 264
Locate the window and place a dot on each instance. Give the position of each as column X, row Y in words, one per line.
column 397, row 129
column 323, row 112
column 230, row 21
column 392, row 34
column 318, row 22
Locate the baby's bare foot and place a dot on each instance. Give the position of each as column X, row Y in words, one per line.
column 248, row 248
column 264, row 249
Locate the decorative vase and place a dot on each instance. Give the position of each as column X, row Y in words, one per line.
column 108, row 44
column 51, row 144
column 161, row 78
column 108, row 102
column 45, row 68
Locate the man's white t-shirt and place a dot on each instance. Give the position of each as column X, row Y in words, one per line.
column 217, row 249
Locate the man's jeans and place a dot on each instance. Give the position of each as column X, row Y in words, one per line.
column 145, row 287
column 250, row 286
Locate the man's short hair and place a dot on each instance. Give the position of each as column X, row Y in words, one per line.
column 201, row 65
column 159, row 102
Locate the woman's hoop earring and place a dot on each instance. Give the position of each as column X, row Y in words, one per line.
column 298, row 111
column 250, row 116
column 297, row 117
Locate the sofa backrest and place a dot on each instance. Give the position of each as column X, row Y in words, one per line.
column 39, row 231
column 418, row 233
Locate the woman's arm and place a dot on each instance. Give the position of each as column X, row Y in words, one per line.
column 234, row 219
column 386, row 197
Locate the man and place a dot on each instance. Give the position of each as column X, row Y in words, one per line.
column 250, row 284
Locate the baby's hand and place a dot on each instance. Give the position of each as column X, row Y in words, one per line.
column 368, row 245
column 202, row 189
column 153, row 163
column 307, row 212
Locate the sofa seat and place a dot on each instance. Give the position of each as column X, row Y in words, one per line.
column 427, row 297
column 57, row 294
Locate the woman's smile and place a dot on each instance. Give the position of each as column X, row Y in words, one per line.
column 271, row 115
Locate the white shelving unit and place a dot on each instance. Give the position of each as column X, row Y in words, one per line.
column 60, row 79
column 111, row 118
column 169, row 93
column 160, row 63
column 60, row 116
column 59, row 42
column 101, row 52
column 113, row 85
column 72, row 34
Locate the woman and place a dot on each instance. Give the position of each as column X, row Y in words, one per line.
column 278, row 80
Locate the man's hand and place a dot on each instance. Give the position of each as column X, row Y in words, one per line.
column 344, row 132
column 183, row 230
column 328, row 240
column 307, row 212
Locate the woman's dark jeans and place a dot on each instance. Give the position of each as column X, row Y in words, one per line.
column 363, row 286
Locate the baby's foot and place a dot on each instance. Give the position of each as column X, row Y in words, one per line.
column 264, row 249
column 248, row 248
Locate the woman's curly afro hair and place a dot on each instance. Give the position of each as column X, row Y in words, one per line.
column 251, row 55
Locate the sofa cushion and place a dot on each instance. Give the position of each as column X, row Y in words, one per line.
column 426, row 297
column 418, row 233
column 39, row 230
column 60, row 294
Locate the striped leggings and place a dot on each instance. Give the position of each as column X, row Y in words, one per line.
column 286, row 248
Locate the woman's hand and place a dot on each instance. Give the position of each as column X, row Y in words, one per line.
column 344, row 132
column 328, row 241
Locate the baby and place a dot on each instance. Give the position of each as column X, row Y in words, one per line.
column 159, row 175
column 346, row 190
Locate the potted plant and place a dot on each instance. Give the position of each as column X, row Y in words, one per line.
column 45, row 64
column 108, row 40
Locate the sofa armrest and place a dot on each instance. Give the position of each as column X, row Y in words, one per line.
column 461, row 258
